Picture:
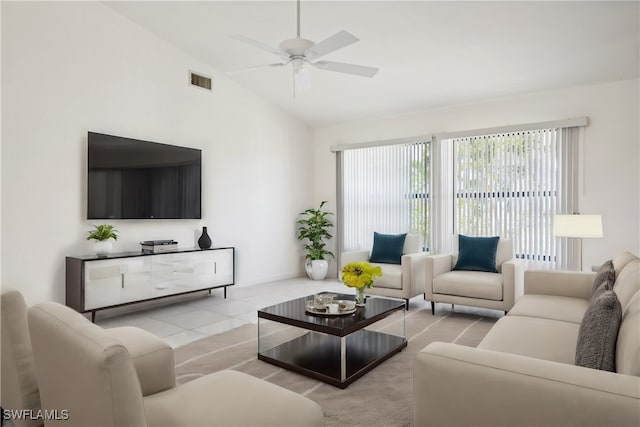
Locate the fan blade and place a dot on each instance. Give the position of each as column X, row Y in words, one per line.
column 260, row 45
column 255, row 67
column 333, row 43
column 341, row 67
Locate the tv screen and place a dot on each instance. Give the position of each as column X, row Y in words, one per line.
column 132, row 179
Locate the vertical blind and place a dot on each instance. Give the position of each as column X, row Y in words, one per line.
column 507, row 182
column 384, row 189
column 511, row 185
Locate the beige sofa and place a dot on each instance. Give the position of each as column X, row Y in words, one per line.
column 523, row 371
column 54, row 359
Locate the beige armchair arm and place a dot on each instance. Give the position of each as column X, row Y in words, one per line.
column 559, row 283
column 509, row 284
column 434, row 266
column 464, row 386
column 414, row 267
column 152, row 358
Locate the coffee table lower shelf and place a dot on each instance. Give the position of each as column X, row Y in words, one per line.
column 318, row 355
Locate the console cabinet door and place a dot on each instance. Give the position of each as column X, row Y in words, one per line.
column 183, row 272
column 116, row 281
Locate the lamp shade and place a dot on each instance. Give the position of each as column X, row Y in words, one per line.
column 578, row 226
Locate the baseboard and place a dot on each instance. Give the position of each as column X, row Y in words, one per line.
column 270, row 279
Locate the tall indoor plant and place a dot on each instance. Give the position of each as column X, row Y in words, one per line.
column 314, row 227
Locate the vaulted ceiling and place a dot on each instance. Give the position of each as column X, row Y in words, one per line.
column 430, row 54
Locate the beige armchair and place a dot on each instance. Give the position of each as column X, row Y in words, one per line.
column 54, row 359
column 405, row 280
column 472, row 288
column 18, row 375
column 151, row 356
column 86, row 370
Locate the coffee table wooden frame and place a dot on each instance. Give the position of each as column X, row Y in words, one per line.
column 336, row 350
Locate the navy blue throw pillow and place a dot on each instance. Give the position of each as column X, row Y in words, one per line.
column 387, row 248
column 477, row 253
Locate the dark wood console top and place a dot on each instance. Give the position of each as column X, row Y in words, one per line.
column 132, row 254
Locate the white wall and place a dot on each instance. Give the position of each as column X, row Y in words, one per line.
column 611, row 155
column 72, row 67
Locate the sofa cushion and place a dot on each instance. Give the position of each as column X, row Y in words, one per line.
column 566, row 309
column 627, row 288
column 477, row 253
column 622, row 260
column 606, row 273
column 391, row 276
column 529, row 336
column 471, row 284
column 387, row 248
column 598, row 332
column 627, row 283
column 628, row 345
column 219, row 399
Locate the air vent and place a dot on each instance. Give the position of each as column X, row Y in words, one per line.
column 200, row 80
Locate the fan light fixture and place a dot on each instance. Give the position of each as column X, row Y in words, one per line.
column 301, row 80
column 299, row 52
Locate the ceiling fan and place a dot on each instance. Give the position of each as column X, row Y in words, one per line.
column 299, row 52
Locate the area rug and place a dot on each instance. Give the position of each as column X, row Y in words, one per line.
column 382, row 397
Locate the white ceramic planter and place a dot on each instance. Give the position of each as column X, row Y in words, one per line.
column 317, row 269
column 103, row 248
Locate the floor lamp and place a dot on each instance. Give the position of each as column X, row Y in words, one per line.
column 578, row 227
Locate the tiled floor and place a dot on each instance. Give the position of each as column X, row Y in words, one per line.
column 185, row 319
column 200, row 315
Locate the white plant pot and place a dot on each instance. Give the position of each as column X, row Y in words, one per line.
column 317, row 269
column 103, row 248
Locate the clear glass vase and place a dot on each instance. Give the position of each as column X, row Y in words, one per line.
column 360, row 296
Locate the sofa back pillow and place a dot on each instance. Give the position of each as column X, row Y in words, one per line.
column 387, row 248
column 606, row 273
column 598, row 333
column 477, row 253
column 604, row 286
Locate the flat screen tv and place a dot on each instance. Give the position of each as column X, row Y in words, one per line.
column 133, row 179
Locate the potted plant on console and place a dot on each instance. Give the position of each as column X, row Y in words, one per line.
column 314, row 227
column 101, row 234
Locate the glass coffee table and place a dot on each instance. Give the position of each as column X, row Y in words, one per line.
column 335, row 349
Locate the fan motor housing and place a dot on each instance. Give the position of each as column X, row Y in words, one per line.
column 296, row 47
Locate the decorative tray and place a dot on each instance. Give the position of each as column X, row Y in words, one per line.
column 311, row 308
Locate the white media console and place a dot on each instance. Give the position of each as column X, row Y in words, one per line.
column 97, row 283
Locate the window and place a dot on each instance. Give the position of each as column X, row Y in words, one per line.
column 384, row 189
column 506, row 182
column 510, row 184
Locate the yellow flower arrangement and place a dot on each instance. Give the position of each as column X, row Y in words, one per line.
column 360, row 274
